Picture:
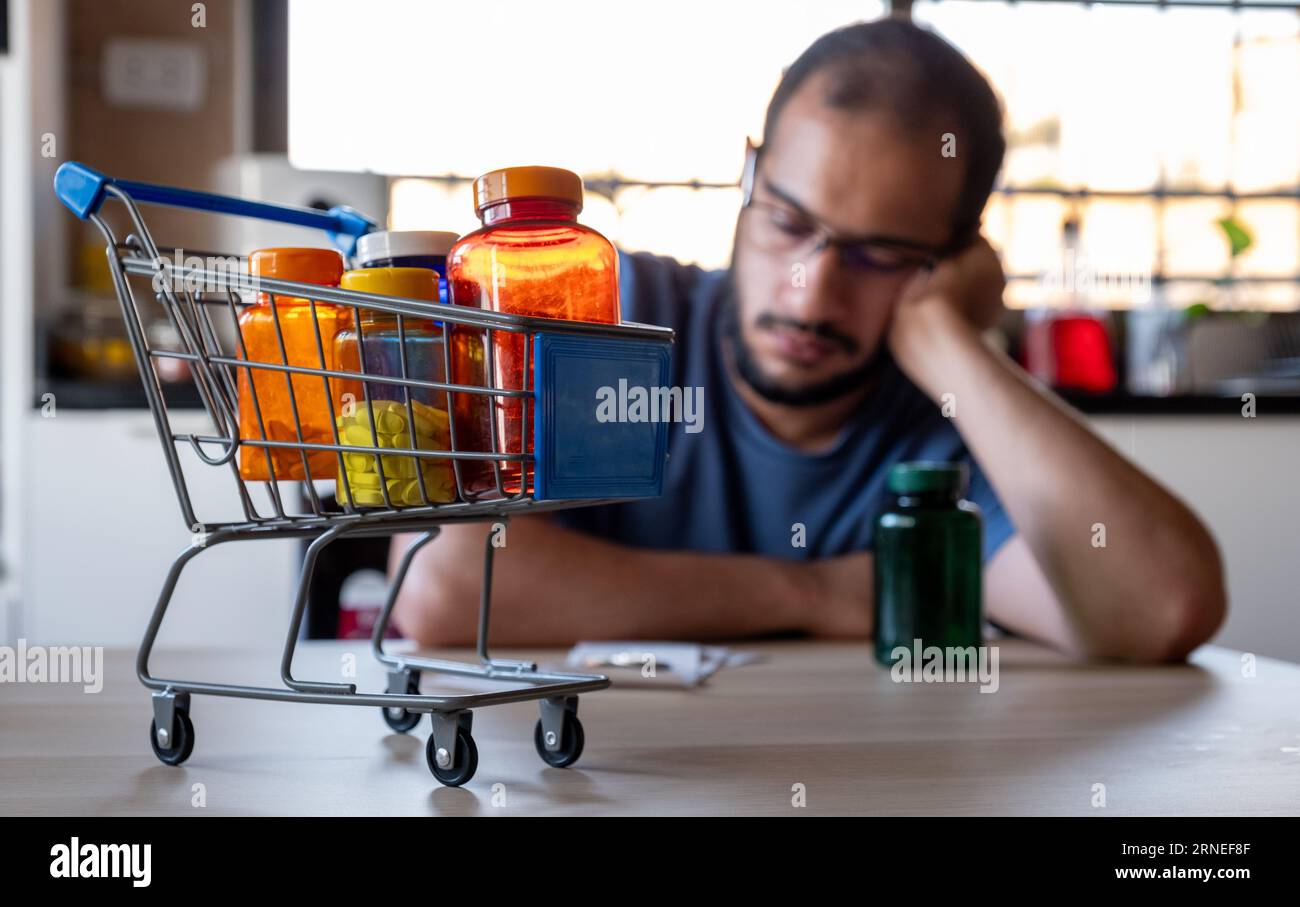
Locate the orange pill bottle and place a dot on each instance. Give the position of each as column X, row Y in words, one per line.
column 274, row 404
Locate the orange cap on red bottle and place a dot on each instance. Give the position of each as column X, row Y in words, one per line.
column 527, row 182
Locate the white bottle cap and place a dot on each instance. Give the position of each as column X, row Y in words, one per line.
column 401, row 243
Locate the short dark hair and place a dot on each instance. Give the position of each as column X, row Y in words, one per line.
column 917, row 77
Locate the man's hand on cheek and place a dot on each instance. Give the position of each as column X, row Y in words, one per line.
column 963, row 293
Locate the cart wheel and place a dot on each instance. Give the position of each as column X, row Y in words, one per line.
column 570, row 749
column 178, row 749
column 402, row 720
column 466, row 760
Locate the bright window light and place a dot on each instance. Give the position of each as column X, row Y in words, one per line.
column 1099, row 98
column 663, row 91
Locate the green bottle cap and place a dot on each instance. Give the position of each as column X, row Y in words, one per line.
column 921, row 477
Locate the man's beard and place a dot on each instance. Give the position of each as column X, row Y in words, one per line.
column 832, row 388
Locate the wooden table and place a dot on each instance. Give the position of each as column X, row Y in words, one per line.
column 1195, row 739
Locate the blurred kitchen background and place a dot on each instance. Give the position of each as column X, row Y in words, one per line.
column 1148, row 215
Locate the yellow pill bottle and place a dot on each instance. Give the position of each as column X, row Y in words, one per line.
column 375, row 413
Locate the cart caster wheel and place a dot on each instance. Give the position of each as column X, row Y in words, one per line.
column 569, row 750
column 178, row 749
column 401, row 720
column 466, row 760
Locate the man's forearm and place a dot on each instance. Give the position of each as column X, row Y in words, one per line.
column 1058, row 481
column 552, row 586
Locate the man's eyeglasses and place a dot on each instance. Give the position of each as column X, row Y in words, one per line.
column 778, row 229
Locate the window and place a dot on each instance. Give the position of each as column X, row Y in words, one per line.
column 1149, row 126
column 643, row 95
column 1159, row 130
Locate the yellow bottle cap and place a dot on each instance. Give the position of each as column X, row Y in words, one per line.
column 527, row 182
column 411, row 283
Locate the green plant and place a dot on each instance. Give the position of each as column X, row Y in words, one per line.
column 1239, row 238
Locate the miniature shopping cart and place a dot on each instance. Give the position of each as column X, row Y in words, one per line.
column 564, row 457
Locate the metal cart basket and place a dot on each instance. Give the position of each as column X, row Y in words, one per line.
column 560, row 461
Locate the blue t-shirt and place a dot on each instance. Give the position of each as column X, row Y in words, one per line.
column 732, row 487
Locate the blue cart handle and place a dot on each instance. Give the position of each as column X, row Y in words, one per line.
column 81, row 189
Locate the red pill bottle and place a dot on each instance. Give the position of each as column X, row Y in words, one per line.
column 530, row 257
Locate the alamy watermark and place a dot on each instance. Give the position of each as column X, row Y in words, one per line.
column 1076, row 274
column 186, row 273
column 949, row 664
column 53, row 664
column 75, row 860
column 636, row 403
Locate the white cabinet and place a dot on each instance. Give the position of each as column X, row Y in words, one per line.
column 101, row 526
column 1240, row 476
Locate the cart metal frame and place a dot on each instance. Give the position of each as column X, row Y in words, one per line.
column 189, row 297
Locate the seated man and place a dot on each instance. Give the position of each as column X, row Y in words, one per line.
column 825, row 354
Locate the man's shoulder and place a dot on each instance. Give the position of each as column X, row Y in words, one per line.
column 656, row 289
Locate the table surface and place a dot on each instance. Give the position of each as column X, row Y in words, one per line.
column 1207, row 738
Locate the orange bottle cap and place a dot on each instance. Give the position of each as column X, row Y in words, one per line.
column 303, row 265
column 527, row 182
column 411, row 283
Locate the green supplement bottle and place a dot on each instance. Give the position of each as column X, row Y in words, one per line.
column 928, row 561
